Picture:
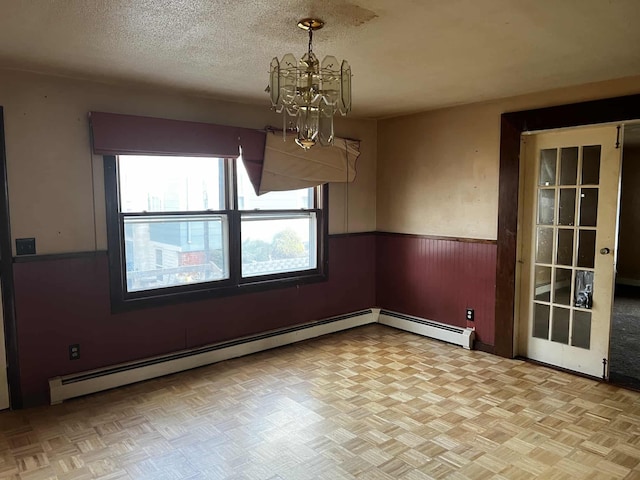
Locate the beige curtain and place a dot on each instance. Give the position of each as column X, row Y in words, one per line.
column 288, row 167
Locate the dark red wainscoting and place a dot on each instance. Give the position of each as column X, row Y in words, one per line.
column 63, row 301
column 438, row 279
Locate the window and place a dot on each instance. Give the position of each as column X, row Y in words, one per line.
column 193, row 227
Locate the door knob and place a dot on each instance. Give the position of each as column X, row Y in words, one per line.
column 605, row 251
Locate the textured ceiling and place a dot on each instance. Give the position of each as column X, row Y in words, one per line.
column 406, row 55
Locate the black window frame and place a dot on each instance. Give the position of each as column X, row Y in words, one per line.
column 122, row 300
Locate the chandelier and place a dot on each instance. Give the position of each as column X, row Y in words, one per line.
column 309, row 93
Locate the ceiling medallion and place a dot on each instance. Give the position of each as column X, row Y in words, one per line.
column 310, row 92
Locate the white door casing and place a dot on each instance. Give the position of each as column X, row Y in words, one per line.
column 567, row 247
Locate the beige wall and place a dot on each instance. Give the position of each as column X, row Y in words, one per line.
column 56, row 188
column 628, row 264
column 438, row 171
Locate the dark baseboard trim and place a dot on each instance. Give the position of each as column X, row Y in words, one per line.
column 484, row 347
column 437, row 237
column 58, row 256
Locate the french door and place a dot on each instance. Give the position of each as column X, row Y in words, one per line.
column 567, row 248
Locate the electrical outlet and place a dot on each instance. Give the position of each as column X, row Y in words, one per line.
column 74, row 351
column 25, row 246
column 470, row 315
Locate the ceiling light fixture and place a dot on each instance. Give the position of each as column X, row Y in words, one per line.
column 309, row 91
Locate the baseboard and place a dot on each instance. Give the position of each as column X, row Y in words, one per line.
column 83, row 383
column 75, row 385
column 428, row 328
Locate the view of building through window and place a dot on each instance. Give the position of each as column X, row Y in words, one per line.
column 176, row 223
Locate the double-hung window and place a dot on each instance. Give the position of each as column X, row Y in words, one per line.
column 192, row 227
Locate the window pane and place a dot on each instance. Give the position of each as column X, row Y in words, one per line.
column 288, row 200
column 540, row 321
column 546, row 206
column 169, row 251
column 562, row 287
column 587, row 248
column 567, row 208
column 278, row 243
column 588, row 207
column 591, row 165
column 565, row 247
column 568, row 165
column 543, row 284
column 584, row 289
column 581, row 332
column 548, row 167
column 170, row 184
column 544, row 245
column 560, row 329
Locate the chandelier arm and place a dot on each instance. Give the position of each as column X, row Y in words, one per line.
column 310, row 41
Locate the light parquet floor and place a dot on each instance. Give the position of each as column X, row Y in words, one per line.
column 369, row 403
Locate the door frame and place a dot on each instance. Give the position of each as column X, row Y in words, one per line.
column 512, row 125
column 6, row 275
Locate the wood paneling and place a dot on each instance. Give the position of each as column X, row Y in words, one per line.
column 65, row 301
column 438, row 279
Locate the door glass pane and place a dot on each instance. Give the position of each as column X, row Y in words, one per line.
column 581, row 330
column 544, row 245
column 543, row 284
column 567, row 213
column 584, row 289
column 568, row 166
column 586, row 248
column 560, row 329
column 565, row 247
column 591, row 165
column 588, row 207
column 548, row 166
column 562, row 287
column 546, row 204
column 541, row 321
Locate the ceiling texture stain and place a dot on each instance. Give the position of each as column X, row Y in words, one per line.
column 406, row 55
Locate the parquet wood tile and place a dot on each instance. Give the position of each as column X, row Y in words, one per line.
column 370, row 403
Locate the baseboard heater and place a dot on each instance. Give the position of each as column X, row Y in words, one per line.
column 428, row 328
column 75, row 385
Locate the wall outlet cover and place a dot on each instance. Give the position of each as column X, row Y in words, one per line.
column 25, row 246
column 74, row 351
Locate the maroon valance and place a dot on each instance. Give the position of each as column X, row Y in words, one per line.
column 117, row 134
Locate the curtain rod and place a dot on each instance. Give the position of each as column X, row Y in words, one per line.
column 269, row 128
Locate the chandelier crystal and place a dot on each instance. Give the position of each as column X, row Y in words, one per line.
column 309, row 93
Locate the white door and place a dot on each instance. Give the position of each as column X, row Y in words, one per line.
column 4, row 384
column 570, row 211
